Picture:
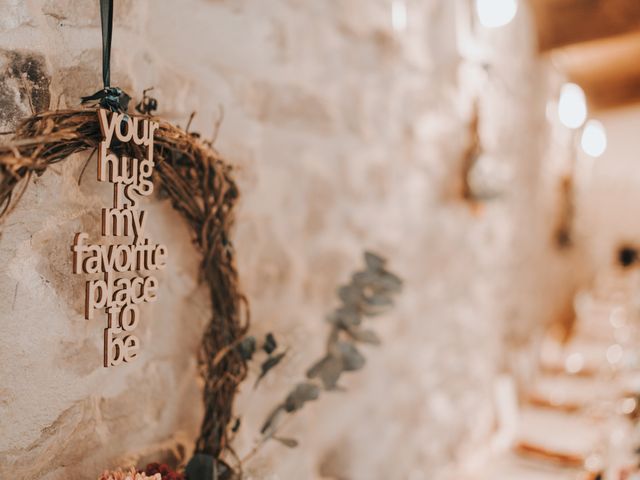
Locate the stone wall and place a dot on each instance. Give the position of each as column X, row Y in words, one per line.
column 346, row 135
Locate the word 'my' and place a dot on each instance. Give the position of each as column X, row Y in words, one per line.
column 121, row 296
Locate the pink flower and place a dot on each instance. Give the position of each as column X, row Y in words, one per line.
column 128, row 474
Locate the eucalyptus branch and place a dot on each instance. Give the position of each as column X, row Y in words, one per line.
column 369, row 293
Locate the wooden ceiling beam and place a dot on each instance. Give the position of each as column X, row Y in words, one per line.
column 566, row 22
column 607, row 70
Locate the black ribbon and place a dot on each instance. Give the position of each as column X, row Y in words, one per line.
column 106, row 16
column 111, row 98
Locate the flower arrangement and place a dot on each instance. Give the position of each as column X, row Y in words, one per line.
column 154, row 471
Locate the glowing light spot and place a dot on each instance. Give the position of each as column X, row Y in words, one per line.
column 572, row 106
column 594, row 139
column 617, row 317
column 614, row 353
column 628, row 406
column 496, row 13
column 574, row 363
column 399, row 15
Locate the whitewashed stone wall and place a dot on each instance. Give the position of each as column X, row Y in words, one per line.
column 346, row 135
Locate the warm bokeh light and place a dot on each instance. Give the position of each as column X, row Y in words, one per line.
column 399, row 15
column 496, row 13
column 628, row 406
column 572, row 106
column 574, row 363
column 614, row 353
column 594, row 139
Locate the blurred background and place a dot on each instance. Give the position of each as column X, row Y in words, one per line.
column 486, row 148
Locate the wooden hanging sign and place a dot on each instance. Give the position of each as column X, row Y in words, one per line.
column 124, row 265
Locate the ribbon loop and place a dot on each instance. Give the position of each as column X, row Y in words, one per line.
column 106, row 18
column 111, row 98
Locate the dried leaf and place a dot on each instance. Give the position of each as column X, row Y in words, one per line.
column 391, row 282
column 377, row 303
column 247, row 347
column 380, row 281
column 345, row 317
column 364, row 336
column 317, row 367
column 236, row 425
column 301, row 394
column 271, row 423
column 373, row 261
column 350, row 294
column 351, row 358
column 328, row 370
column 268, row 364
column 287, row 442
column 270, row 344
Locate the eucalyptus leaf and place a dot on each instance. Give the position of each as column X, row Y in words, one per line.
column 364, row 336
column 328, row 370
column 236, row 425
column 366, row 277
column 374, row 261
column 381, row 281
column 247, row 347
column 301, row 394
column 317, row 367
column 345, row 317
column 271, row 423
column 390, row 281
column 270, row 344
column 351, row 358
column 379, row 300
column 287, row 442
column 269, row 364
column 350, row 294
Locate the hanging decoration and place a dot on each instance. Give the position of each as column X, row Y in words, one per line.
column 200, row 185
column 120, row 296
column 563, row 233
column 480, row 180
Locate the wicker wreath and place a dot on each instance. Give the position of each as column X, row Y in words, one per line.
column 202, row 189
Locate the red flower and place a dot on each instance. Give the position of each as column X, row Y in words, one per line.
column 164, row 470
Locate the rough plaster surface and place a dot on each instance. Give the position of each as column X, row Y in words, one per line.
column 346, row 135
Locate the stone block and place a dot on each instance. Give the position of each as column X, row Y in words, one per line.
column 24, row 85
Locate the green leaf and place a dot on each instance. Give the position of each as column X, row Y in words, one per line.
column 351, row 358
column 287, row 442
column 364, row 336
column 345, row 317
column 270, row 344
column 268, row 365
column 350, row 294
column 301, row 394
column 271, row 423
column 247, row 347
column 328, row 370
column 374, row 261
